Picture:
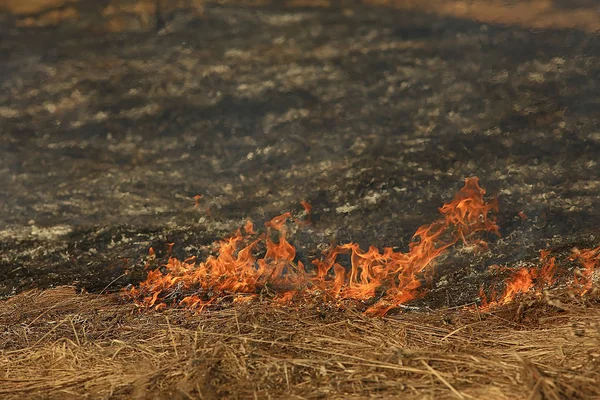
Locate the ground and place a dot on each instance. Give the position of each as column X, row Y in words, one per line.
column 373, row 115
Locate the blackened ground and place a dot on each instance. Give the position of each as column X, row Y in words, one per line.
column 373, row 116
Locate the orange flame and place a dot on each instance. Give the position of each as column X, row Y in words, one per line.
column 590, row 260
column 523, row 281
column 520, row 282
column 546, row 273
column 307, row 211
column 249, row 228
column 387, row 278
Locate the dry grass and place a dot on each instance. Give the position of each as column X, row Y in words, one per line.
column 57, row 344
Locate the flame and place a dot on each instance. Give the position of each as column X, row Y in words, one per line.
column 546, row 274
column 538, row 278
column 307, row 207
column 249, row 228
column 590, row 260
column 250, row 263
column 522, row 281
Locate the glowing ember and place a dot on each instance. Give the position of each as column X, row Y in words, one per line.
column 393, row 278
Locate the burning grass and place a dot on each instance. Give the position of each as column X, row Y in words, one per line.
column 247, row 263
column 57, row 344
column 250, row 264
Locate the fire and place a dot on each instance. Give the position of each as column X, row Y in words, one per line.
column 590, row 260
column 248, row 263
column 249, row 228
column 536, row 279
column 524, row 280
column 520, row 282
column 307, row 211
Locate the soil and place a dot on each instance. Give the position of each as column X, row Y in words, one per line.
column 372, row 115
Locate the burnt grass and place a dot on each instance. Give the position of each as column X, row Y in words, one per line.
column 373, row 116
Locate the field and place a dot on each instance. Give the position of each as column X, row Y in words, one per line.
column 124, row 150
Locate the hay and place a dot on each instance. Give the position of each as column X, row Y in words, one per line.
column 57, row 344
